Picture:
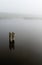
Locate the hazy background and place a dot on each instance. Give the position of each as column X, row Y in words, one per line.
column 30, row 7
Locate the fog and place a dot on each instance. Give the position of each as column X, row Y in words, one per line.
column 31, row 7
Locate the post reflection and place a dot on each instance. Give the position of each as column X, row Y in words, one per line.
column 11, row 44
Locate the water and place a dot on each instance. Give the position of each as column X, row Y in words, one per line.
column 28, row 41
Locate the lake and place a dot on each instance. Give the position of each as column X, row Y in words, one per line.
column 28, row 41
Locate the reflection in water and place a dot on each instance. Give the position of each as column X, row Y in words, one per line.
column 12, row 44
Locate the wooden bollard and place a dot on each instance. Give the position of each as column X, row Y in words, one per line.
column 11, row 40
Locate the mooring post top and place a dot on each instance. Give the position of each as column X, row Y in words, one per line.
column 12, row 33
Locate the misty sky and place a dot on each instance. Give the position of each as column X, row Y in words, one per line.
column 21, row 6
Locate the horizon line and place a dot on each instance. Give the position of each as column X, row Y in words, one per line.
column 16, row 15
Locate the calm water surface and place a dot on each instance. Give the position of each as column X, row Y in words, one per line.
column 28, row 41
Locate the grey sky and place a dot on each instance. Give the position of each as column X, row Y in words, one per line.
column 21, row 6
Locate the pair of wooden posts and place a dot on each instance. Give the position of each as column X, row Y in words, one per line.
column 11, row 40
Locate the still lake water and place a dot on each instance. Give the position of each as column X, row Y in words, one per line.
column 28, row 41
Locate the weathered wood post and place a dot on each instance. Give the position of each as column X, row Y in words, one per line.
column 11, row 40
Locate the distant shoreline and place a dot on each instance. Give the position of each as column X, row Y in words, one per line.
column 23, row 16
